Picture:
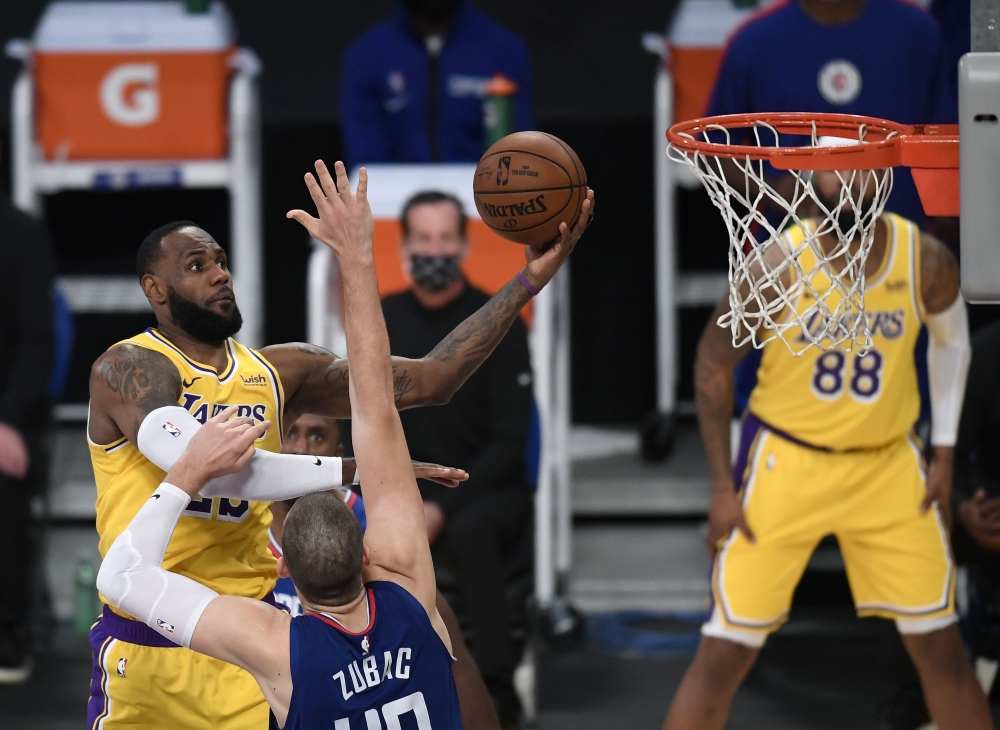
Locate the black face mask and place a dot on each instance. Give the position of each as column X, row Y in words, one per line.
column 433, row 11
column 434, row 273
column 202, row 324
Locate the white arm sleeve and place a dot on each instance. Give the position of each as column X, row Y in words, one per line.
column 268, row 477
column 131, row 576
column 948, row 359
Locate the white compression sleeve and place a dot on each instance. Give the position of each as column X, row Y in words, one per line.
column 948, row 357
column 268, row 477
column 131, row 576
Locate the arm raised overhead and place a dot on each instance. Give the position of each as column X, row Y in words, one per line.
column 396, row 536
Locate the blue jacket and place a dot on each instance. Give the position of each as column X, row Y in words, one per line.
column 384, row 94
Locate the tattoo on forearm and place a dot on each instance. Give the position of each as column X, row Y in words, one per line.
column 338, row 377
column 402, row 383
column 471, row 342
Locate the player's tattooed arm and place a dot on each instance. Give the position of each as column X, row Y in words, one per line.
column 127, row 383
column 938, row 274
column 316, row 381
column 446, row 368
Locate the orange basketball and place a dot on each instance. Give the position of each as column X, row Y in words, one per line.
column 527, row 184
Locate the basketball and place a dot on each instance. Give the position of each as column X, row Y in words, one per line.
column 527, row 184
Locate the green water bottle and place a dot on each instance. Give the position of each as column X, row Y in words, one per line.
column 85, row 600
column 498, row 109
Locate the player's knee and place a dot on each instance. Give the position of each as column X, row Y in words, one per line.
column 938, row 652
column 724, row 663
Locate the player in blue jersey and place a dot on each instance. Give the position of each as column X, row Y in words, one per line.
column 372, row 647
column 321, row 436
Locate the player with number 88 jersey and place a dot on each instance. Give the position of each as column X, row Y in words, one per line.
column 826, row 447
column 834, row 429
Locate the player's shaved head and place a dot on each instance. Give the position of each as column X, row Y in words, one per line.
column 323, row 547
column 151, row 248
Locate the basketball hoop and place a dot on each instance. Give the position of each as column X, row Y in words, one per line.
column 768, row 286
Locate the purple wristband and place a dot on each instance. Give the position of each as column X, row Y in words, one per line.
column 527, row 284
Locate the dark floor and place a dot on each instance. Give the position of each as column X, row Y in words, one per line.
column 828, row 672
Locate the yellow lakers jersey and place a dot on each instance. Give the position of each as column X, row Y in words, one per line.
column 220, row 543
column 843, row 400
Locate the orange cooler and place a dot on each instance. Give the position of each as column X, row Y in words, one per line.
column 697, row 39
column 132, row 80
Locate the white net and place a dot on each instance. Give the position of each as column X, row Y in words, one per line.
column 796, row 263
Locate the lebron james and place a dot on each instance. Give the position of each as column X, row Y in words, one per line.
column 150, row 393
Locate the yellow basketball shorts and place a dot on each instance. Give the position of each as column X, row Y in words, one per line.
column 898, row 561
column 161, row 686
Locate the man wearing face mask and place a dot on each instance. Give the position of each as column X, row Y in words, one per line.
column 482, row 430
column 413, row 86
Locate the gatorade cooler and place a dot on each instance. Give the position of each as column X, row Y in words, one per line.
column 132, row 80
column 697, row 42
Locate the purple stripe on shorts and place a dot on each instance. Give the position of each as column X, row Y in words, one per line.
column 112, row 626
column 749, row 429
column 97, row 701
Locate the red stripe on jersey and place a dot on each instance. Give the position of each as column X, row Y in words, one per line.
column 371, row 618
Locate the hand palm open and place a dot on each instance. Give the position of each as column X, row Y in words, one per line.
column 345, row 221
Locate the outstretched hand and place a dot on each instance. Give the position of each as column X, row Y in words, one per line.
column 544, row 260
column 345, row 221
column 222, row 446
column 445, row 475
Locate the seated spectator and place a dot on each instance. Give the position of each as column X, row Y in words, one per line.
column 483, row 430
column 26, row 350
column 413, row 86
column 976, row 496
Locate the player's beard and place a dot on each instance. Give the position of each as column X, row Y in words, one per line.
column 846, row 218
column 203, row 324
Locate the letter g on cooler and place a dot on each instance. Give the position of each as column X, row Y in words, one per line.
column 129, row 94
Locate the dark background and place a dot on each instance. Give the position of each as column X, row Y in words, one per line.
column 593, row 88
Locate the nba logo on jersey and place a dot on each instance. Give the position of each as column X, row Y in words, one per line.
column 121, row 667
column 171, row 429
column 169, row 628
column 365, row 644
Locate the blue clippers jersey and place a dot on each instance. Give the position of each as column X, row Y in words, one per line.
column 886, row 63
column 397, row 673
column 284, row 589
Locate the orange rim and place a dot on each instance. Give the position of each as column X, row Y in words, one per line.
column 885, row 143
